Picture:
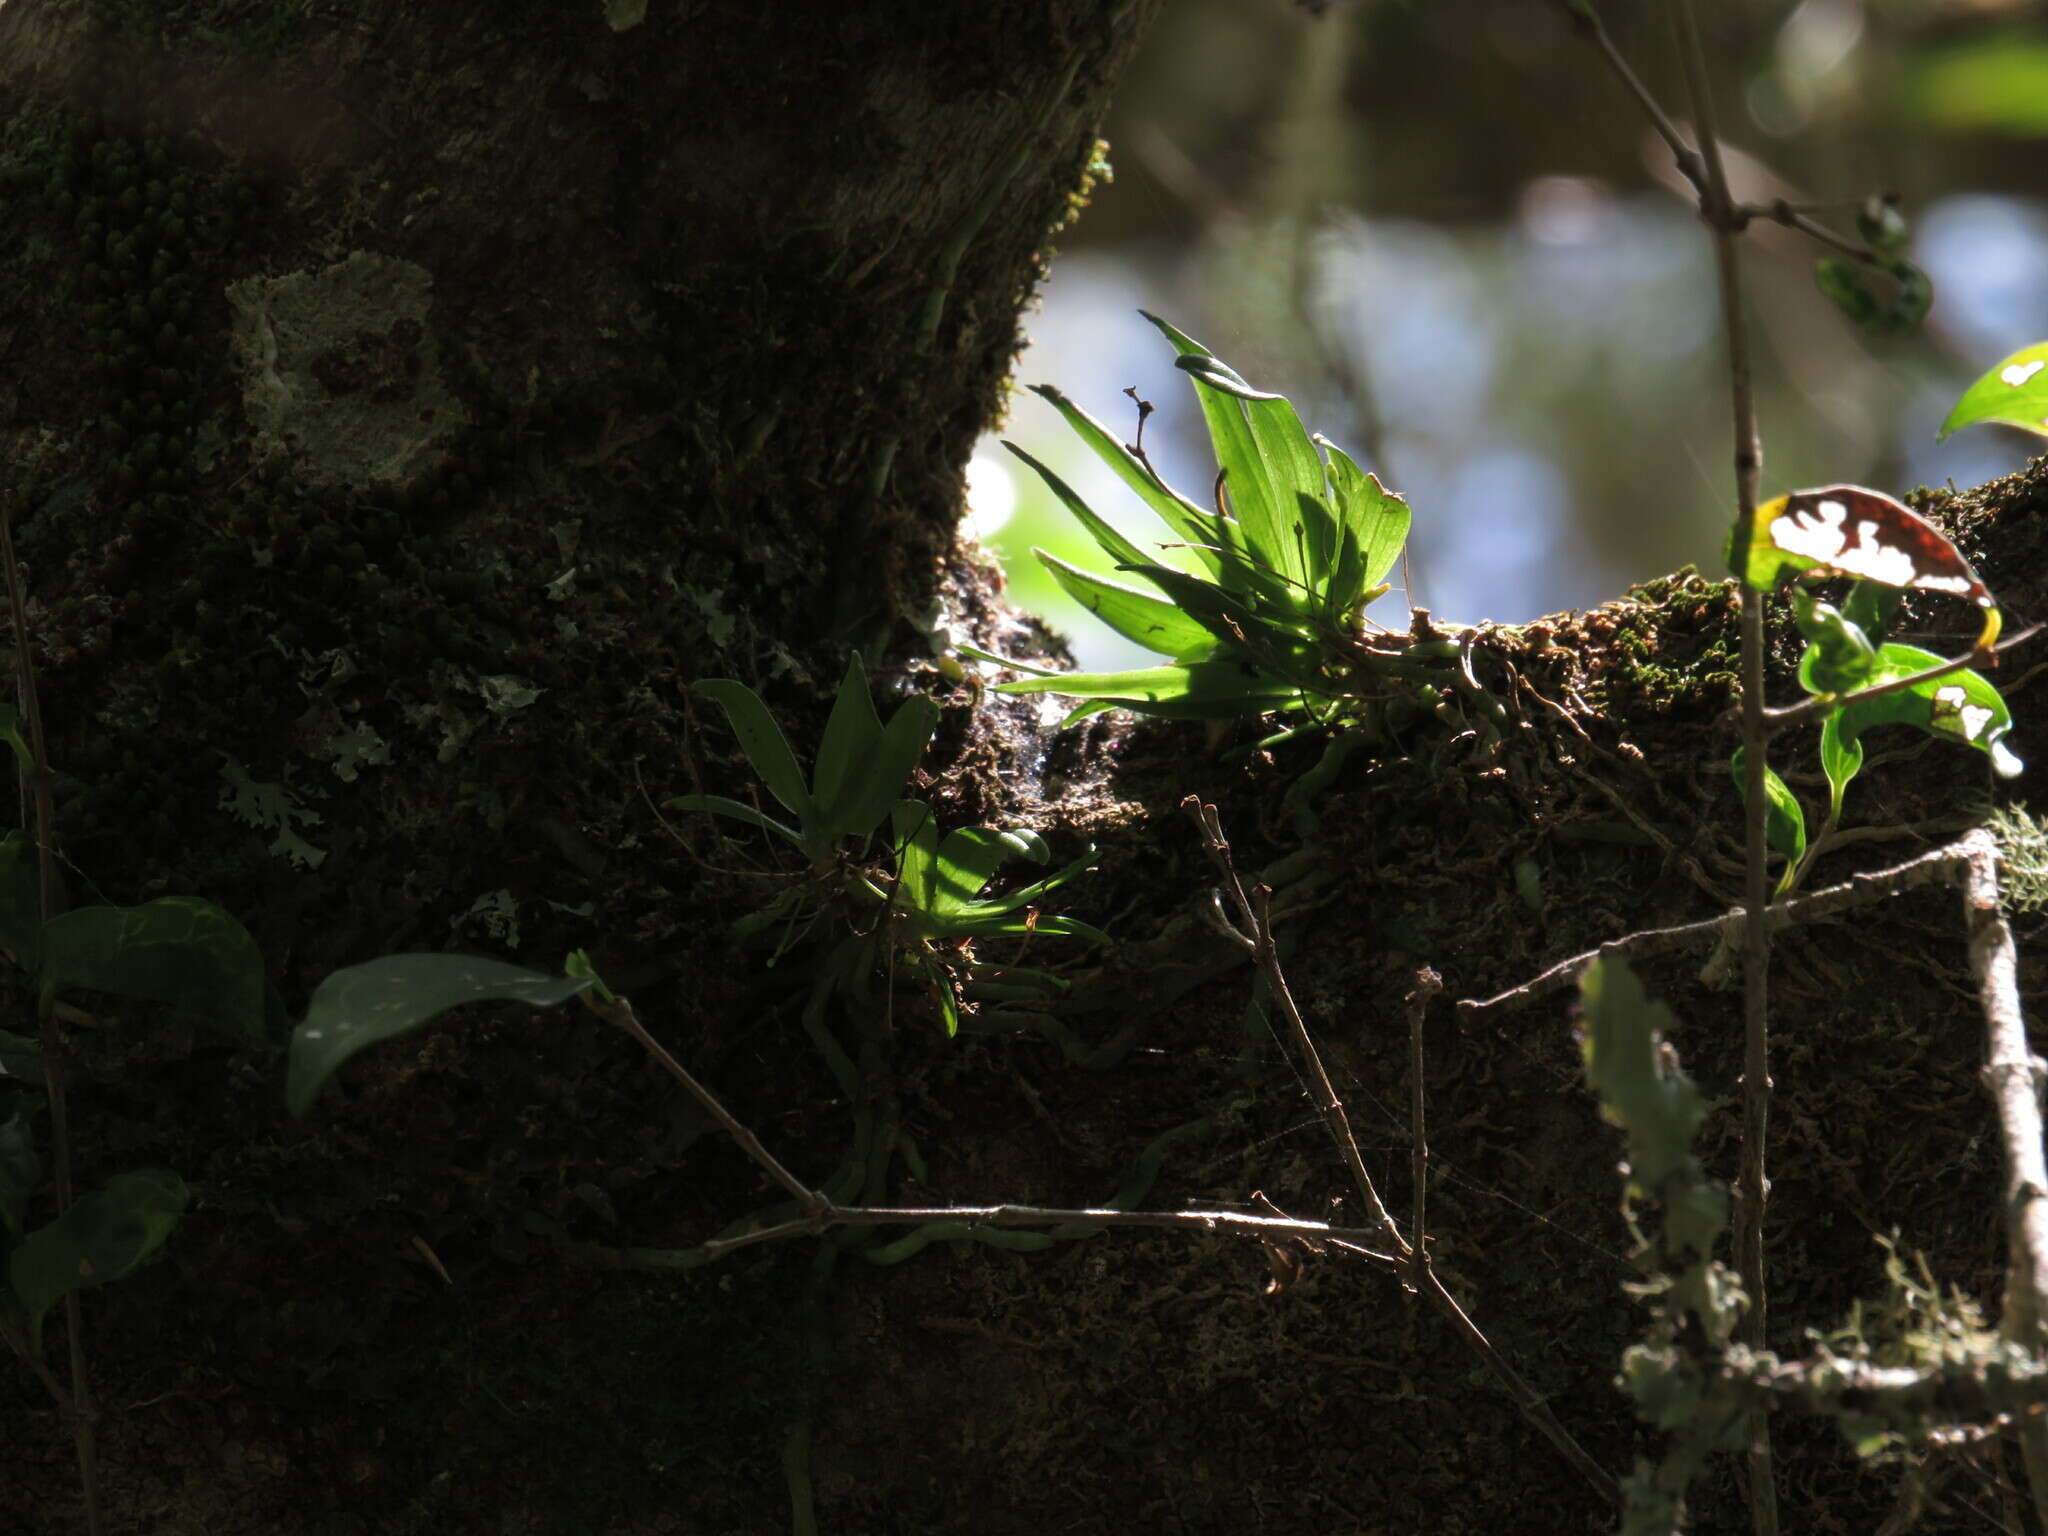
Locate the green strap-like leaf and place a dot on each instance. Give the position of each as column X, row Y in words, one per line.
column 1259, row 439
column 382, row 999
column 177, row 950
column 102, row 1237
column 2014, row 393
column 1202, row 690
column 1189, row 522
column 1236, row 623
column 879, row 779
column 968, row 858
column 720, row 805
column 1105, row 534
column 917, row 854
column 767, row 749
column 852, row 733
column 1380, row 518
column 1140, row 617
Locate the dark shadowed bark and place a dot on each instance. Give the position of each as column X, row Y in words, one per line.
column 403, row 403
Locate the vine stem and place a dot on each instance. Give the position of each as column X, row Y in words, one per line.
column 1725, row 222
column 36, row 781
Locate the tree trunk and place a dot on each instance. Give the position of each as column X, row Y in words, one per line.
column 403, row 407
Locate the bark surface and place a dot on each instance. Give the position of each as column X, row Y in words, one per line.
column 404, row 402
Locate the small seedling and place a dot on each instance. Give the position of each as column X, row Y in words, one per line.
column 1858, row 679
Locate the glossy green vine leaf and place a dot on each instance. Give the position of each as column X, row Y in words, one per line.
column 1784, row 820
column 2014, row 393
column 103, row 1237
column 1839, row 657
column 1962, row 706
column 382, row 999
column 177, row 950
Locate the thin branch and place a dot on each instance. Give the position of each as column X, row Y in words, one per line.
column 37, row 776
column 826, row 1216
column 1936, row 865
column 1717, row 208
column 1427, row 985
column 1266, row 954
column 1587, row 21
column 2012, row 1074
column 1254, row 909
column 620, row 1012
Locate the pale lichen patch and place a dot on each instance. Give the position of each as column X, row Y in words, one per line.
column 340, row 370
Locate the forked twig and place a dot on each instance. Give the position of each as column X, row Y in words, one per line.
column 1935, row 866
column 1253, row 909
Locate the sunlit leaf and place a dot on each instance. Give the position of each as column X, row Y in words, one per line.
column 1141, row 617
column 1784, row 820
column 177, row 950
column 1202, row 690
column 1963, row 706
column 1841, row 759
column 1848, row 530
column 2012, row 394
column 1261, row 443
column 1381, row 518
column 102, row 1237
column 1839, row 657
column 1189, row 522
column 1106, row 535
column 382, row 999
column 917, row 854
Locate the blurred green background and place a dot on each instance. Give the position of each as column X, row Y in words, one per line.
column 1441, row 228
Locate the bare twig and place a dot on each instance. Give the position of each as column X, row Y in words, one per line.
column 37, row 776
column 1717, row 209
column 1253, row 909
column 620, row 1012
column 1936, row 865
column 2013, row 1074
column 1427, row 985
